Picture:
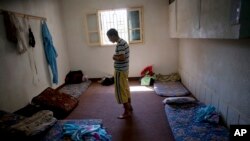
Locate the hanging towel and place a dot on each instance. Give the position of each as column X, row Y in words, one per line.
column 50, row 51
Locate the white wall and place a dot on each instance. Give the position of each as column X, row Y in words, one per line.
column 158, row 49
column 16, row 80
column 218, row 72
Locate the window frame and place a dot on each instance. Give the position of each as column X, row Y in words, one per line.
column 88, row 32
column 140, row 24
column 98, row 30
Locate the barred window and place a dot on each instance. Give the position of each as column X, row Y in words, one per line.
column 128, row 23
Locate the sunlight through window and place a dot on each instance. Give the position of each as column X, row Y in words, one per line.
column 113, row 19
column 140, row 88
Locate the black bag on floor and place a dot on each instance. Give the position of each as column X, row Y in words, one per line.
column 74, row 77
column 108, row 81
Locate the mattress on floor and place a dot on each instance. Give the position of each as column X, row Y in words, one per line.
column 75, row 90
column 185, row 128
column 56, row 132
column 169, row 89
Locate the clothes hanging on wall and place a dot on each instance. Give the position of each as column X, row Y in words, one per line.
column 50, row 51
column 16, row 31
column 10, row 27
column 33, row 66
column 32, row 41
column 21, row 34
column 32, row 60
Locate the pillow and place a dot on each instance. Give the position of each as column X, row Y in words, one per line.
column 60, row 103
column 178, row 100
column 170, row 89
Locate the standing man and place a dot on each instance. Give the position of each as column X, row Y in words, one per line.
column 121, row 66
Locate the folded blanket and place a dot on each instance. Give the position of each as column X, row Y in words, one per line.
column 170, row 77
column 35, row 124
column 207, row 114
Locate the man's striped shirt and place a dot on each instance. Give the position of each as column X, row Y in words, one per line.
column 122, row 48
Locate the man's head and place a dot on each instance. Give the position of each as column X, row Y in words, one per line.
column 113, row 35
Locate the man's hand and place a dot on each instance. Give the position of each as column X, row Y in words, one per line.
column 119, row 57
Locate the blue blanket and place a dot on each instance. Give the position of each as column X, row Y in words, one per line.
column 57, row 132
column 86, row 132
column 182, row 120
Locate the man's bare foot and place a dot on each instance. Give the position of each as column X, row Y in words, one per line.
column 131, row 108
column 127, row 115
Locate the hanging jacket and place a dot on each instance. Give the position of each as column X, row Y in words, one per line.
column 50, row 51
